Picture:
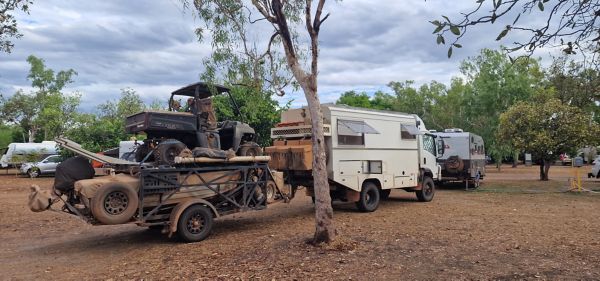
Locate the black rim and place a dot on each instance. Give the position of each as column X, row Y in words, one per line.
column 116, row 202
column 428, row 189
column 195, row 224
column 171, row 154
column 371, row 197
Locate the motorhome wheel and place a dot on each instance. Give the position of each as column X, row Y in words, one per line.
column 369, row 197
column 427, row 191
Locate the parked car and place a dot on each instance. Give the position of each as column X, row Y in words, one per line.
column 46, row 166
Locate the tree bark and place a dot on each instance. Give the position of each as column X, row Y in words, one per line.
column 544, row 168
column 325, row 230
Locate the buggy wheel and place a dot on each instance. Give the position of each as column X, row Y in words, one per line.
column 33, row 172
column 369, row 197
column 141, row 151
column 167, row 150
column 250, row 149
column 195, row 223
column 427, row 190
column 114, row 204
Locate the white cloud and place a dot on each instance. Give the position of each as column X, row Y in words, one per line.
column 151, row 46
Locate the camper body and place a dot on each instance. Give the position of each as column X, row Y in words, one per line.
column 464, row 156
column 17, row 153
column 366, row 149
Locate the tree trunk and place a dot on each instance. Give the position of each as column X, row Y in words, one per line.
column 32, row 132
column 515, row 159
column 325, row 229
column 544, row 168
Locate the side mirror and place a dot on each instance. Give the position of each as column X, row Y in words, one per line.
column 441, row 147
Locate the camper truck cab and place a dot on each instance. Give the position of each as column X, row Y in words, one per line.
column 369, row 153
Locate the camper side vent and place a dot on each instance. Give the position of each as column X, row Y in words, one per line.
column 296, row 131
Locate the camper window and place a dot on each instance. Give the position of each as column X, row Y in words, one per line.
column 408, row 132
column 352, row 132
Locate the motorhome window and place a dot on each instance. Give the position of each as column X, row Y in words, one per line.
column 352, row 128
column 408, row 132
column 429, row 144
column 352, row 132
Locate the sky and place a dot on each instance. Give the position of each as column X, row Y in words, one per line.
column 151, row 47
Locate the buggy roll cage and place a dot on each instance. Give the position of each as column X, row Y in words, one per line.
column 203, row 90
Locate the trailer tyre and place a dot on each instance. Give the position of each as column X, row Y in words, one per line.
column 427, row 191
column 114, row 204
column 369, row 197
column 195, row 223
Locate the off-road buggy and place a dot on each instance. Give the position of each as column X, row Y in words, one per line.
column 190, row 126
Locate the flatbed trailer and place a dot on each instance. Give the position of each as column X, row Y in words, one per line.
column 182, row 198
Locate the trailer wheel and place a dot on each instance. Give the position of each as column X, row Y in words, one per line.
column 195, row 223
column 250, row 149
column 369, row 197
column 114, row 204
column 385, row 193
column 427, row 191
column 166, row 151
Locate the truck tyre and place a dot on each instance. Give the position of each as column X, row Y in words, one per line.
column 250, row 149
column 33, row 172
column 195, row 223
column 369, row 197
column 385, row 193
column 167, row 150
column 427, row 191
column 114, row 204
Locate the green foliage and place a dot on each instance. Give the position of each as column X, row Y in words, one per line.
column 257, row 108
column 102, row 131
column 8, row 23
column 6, row 136
column 546, row 127
column 46, row 109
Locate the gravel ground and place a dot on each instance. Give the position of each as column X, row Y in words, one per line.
column 513, row 227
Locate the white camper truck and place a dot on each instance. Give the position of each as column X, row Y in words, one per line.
column 17, row 153
column 369, row 152
column 463, row 158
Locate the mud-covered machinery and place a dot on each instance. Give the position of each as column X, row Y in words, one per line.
column 191, row 125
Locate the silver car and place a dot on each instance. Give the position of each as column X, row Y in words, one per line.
column 46, row 166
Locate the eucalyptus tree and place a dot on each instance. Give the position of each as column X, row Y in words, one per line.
column 8, row 23
column 258, row 42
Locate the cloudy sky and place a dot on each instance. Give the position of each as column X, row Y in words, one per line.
column 151, row 47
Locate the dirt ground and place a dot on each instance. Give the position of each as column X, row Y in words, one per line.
column 513, row 227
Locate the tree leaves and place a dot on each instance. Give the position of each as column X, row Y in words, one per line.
column 440, row 39
column 454, row 29
column 503, row 33
column 449, row 52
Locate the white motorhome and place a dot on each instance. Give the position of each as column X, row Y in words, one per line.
column 369, row 153
column 17, row 153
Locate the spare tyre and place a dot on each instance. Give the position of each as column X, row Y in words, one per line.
column 454, row 164
column 114, row 203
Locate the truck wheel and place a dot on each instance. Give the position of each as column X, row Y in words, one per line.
column 427, row 191
column 114, row 204
column 33, row 172
column 250, row 149
column 195, row 224
column 166, row 151
column 385, row 193
column 369, row 198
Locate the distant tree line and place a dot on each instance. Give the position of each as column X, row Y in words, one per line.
column 493, row 85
